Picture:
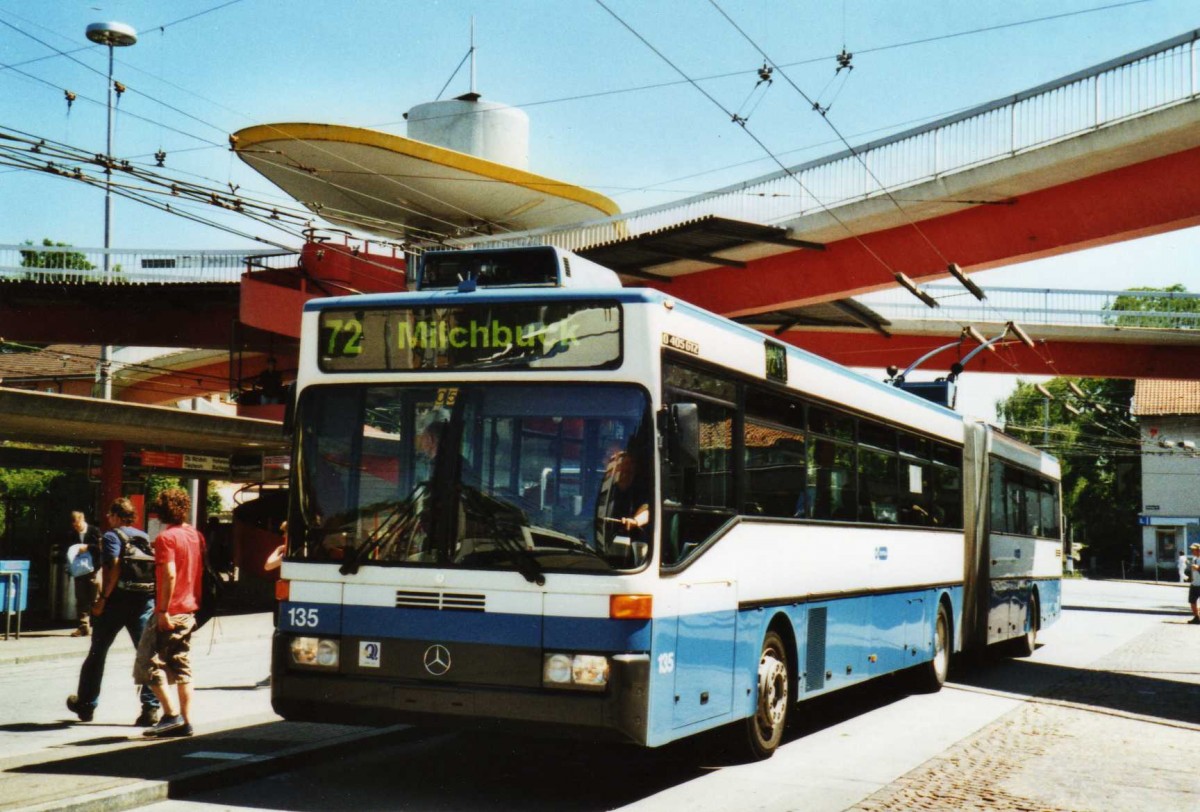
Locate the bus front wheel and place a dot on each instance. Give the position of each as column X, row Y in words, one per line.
column 764, row 730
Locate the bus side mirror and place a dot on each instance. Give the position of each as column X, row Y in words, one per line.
column 683, row 435
column 289, row 409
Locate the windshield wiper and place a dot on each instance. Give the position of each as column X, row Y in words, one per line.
column 526, row 562
column 505, row 534
column 398, row 518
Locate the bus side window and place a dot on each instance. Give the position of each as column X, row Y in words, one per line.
column 686, row 531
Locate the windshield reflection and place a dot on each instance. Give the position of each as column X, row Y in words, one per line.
column 528, row 478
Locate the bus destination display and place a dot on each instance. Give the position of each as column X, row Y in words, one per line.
column 562, row 335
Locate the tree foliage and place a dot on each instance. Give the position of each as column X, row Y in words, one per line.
column 67, row 260
column 157, row 483
column 1131, row 310
column 1100, row 452
column 18, row 486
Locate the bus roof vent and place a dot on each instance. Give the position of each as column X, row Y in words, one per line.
column 539, row 266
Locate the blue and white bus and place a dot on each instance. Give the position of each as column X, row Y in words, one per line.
column 525, row 495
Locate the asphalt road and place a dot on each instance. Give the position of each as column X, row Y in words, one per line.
column 844, row 750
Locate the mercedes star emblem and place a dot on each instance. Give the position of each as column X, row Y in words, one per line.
column 437, row 660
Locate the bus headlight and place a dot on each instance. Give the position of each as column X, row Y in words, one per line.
column 315, row 651
column 585, row 671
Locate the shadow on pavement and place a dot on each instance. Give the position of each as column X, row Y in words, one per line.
column 157, row 760
column 35, row 727
column 102, row 740
column 1168, row 611
column 1137, row 693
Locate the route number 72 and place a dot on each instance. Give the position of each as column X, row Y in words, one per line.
column 349, row 331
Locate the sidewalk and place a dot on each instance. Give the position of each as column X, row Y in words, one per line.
column 57, row 644
column 1117, row 736
column 50, row 761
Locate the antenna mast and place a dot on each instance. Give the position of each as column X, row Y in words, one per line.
column 472, row 54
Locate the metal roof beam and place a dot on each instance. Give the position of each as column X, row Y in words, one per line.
column 691, row 255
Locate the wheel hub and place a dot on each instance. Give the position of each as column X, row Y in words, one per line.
column 772, row 691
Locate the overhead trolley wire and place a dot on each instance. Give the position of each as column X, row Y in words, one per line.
column 137, row 366
column 857, row 155
column 165, row 26
column 105, row 104
column 182, row 112
column 748, row 132
column 814, row 60
column 103, row 74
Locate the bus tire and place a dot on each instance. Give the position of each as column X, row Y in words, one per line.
column 931, row 676
column 1025, row 645
column 763, row 731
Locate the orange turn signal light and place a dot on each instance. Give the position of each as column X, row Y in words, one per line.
column 630, row 607
column 283, row 590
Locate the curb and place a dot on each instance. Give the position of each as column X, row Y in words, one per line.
column 79, row 654
column 145, row 792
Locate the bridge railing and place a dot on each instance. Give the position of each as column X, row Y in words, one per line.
column 1133, row 85
column 1043, row 306
column 70, row 265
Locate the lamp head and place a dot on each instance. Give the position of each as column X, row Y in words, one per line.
column 114, row 35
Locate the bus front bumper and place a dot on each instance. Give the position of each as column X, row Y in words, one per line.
column 618, row 713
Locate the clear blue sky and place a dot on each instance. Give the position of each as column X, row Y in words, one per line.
column 649, row 138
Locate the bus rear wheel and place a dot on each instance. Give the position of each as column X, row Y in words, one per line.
column 931, row 676
column 1024, row 645
column 764, row 730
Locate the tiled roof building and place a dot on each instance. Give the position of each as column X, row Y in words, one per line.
column 1169, row 414
column 1164, row 397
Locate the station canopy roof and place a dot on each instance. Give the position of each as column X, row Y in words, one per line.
column 37, row 417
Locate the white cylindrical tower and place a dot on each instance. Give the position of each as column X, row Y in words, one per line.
column 495, row 132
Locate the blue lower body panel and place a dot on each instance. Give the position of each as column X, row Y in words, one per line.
column 831, row 644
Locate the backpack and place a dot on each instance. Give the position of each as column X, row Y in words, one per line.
column 136, row 563
column 212, row 592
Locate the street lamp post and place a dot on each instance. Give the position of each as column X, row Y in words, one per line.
column 114, row 35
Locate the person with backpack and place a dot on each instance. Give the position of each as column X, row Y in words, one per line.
column 126, row 601
column 164, row 652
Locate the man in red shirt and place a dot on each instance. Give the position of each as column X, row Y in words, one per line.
column 163, row 655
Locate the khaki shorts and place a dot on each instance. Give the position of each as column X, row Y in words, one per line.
column 165, row 657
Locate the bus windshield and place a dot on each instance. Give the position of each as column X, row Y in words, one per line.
column 525, row 477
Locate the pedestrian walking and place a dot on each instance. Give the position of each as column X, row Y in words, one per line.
column 126, row 601
column 84, row 537
column 1194, row 589
column 164, row 652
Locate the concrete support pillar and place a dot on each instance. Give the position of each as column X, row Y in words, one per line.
column 112, row 460
column 200, row 503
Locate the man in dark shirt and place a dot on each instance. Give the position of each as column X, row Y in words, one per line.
column 123, row 604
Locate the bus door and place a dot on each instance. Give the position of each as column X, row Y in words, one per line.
column 704, row 651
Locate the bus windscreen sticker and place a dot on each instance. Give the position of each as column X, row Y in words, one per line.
column 541, row 335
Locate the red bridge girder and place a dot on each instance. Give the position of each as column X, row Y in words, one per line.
column 1151, row 197
column 1077, row 359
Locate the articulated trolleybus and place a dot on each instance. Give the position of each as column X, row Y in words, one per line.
column 525, row 495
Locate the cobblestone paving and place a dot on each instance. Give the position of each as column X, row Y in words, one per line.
column 1108, row 738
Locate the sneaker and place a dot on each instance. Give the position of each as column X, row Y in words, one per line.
column 79, row 709
column 80, row 633
column 177, row 733
column 165, row 726
column 1194, row 621
column 148, row 718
